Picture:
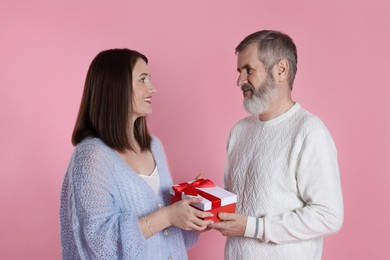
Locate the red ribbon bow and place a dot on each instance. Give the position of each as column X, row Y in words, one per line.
column 190, row 188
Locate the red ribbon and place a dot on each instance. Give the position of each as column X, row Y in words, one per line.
column 190, row 189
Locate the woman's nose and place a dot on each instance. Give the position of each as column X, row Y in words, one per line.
column 151, row 88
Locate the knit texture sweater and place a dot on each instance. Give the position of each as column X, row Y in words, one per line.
column 286, row 175
column 101, row 201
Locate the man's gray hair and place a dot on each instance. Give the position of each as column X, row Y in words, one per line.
column 273, row 46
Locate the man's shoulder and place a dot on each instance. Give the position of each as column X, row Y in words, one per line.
column 307, row 121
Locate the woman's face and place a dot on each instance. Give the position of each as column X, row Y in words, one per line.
column 143, row 90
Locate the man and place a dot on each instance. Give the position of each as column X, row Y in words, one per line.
column 282, row 162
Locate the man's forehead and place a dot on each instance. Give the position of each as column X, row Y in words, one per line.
column 247, row 56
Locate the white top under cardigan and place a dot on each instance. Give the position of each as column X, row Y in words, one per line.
column 286, row 175
column 153, row 180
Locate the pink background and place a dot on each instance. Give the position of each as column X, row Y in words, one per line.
column 47, row 46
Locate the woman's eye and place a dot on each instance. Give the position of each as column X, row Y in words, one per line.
column 145, row 79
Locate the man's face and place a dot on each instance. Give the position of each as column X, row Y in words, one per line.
column 258, row 87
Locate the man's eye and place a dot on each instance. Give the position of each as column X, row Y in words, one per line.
column 249, row 71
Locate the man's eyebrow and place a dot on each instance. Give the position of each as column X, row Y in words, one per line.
column 246, row 66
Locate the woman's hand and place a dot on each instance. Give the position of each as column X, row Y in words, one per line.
column 182, row 215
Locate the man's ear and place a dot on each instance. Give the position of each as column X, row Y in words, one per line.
column 282, row 70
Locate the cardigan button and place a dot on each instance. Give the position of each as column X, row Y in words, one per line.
column 166, row 232
column 160, row 205
column 170, row 258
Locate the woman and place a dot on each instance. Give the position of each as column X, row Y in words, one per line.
column 115, row 193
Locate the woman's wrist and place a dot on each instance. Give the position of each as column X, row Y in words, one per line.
column 154, row 222
column 148, row 225
column 166, row 214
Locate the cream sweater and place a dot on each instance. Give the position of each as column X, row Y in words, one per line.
column 286, row 176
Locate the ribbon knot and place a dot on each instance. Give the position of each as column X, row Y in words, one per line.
column 190, row 188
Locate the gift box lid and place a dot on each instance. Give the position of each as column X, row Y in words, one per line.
column 226, row 197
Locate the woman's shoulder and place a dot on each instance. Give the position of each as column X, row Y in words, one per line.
column 156, row 144
column 91, row 158
column 92, row 147
column 155, row 140
column 90, row 143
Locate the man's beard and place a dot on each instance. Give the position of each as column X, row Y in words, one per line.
column 260, row 100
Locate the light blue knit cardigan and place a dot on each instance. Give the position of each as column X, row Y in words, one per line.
column 101, row 201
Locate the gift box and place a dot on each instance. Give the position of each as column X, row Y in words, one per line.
column 214, row 199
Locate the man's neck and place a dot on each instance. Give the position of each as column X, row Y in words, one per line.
column 277, row 108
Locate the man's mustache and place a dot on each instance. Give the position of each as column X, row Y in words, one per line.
column 247, row 86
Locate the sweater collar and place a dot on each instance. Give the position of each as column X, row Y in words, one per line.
column 289, row 113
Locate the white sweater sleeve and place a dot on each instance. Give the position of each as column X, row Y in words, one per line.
column 319, row 187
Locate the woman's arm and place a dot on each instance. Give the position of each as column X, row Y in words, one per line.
column 180, row 214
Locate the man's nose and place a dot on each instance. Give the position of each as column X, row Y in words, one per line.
column 242, row 79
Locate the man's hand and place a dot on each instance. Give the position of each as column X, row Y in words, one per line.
column 231, row 224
